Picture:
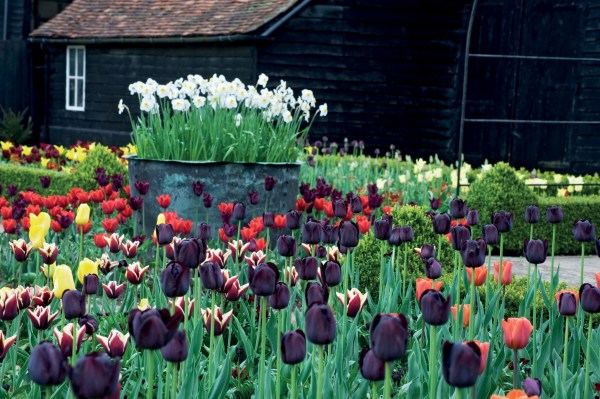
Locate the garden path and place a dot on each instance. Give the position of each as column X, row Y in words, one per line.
column 569, row 268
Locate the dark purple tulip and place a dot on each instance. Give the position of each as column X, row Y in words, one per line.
column 286, row 246
column 175, row 280
column 375, row 200
column 239, row 211
column 89, row 322
column 532, row 214
column 441, row 223
column 395, row 236
column 321, row 252
column 90, row 284
column 306, row 267
column 268, row 219
column 389, row 336
column 356, row 204
column 207, row 200
column 319, row 323
column 435, row 308
column 45, row 181
column 311, row 233
column 589, row 298
column 567, row 304
column 434, row 203
column 433, row 268
column 152, row 328
column 293, row 347
column 281, row 297
column 382, row 229
column 316, row 293
column 204, row 232
column 190, row 252
column 263, row 279
column 503, row 221
column 117, row 181
column 11, row 190
column 176, row 350
column 329, row 234
column 164, row 233
column 253, row 197
column 554, row 214
column 460, row 234
column 230, row 229
column 458, row 208
column 584, row 230
column 198, row 188
column 370, row 366
column 349, row 234
column 473, row 217
column 460, row 363
column 490, row 234
column 65, row 220
column 73, row 304
column 340, row 208
column 46, row 365
column 532, row 387
column 269, row 183
column 473, row 252
column 211, row 276
column 536, row 251
column 102, row 179
column 136, row 203
column 95, row 376
column 293, row 219
column 331, row 273
column 427, row 251
column 142, row 187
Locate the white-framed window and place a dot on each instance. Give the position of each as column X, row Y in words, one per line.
column 75, row 84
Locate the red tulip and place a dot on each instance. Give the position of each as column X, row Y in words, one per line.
column 480, row 274
column 506, row 272
column 466, row 309
column 164, row 200
column 110, row 225
column 516, row 332
column 484, row 347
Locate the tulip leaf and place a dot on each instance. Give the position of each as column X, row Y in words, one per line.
column 246, row 345
column 221, row 384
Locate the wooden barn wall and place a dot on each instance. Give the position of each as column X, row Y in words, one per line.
column 389, row 70
column 110, row 70
column 535, row 89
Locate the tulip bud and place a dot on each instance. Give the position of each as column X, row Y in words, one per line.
column 21, row 249
column 307, row 267
column 490, row 234
column 73, row 304
column 49, row 253
column 36, row 236
column 233, row 290
column 320, row 324
column 441, row 223
column 401, row 234
column 503, row 221
column 115, row 344
column 239, row 211
column 425, row 252
column 164, row 233
column 270, row 183
column 473, row 217
column 293, row 347
column 175, row 280
column 95, row 376
column 134, row 273
column 263, row 279
column 480, row 275
column 65, row 339
column 329, row 234
column 86, row 266
column 536, row 251
column 532, row 387
column 286, row 245
column 433, row 268
column 331, row 274
column 176, row 350
column 434, row 308
column 83, row 214
column 458, row 208
column 460, row 234
column 382, row 229
column 268, row 219
column 460, row 363
column 90, row 284
column 5, row 344
column 532, row 214
column 129, row 248
column 554, row 214
column 211, row 276
column 152, row 328
column 316, row 293
column 473, row 252
column 370, row 366
column 46, row 365
column 584, row 230
column 589, row 298
column 90, row 324
column 41, row 318
column 281, row 297
column 567, row 303
column 506, row 272
column 292, row 220
column 349, row 234
column 311, row 233
column 389, row 336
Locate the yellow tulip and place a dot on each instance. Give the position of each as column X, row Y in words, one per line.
column 144, row 305
column 63, row 280
column 6, row 145
column 86, row 266
column 160, row 219
column 60, row 148
column 83, row 214
column 43, row 220
column 36, row 236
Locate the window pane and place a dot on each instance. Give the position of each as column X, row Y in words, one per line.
column 71, row 59
column 71, row 98
column 80, row 61
column 80, row 93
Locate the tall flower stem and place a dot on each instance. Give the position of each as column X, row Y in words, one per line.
column 196, row 295
column 387, row 387
column 80, row 244
column 552, row 260
column 472, row 313
column 294, row 393
column 150, row 375
column 565, row 350
column 586, row 394
column 515, row 368
column 500, row 260
column 404, row 267
column 320, row 374
column 263, row 345
column 374, row 390
column 344, row 317
column 212, row 338
column 582, row 261
column 534, row 346
column 74, row 347
column 48, row 391
column 458, row 393
column 528, row 263
column 174, row 384
column 439, row 248
column 156, row 263
column 381, row 267
column 487, row 294
column 278, row 381
column 456, row 295
column 432, row 361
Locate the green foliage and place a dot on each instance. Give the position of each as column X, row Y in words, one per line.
column 24, row 178
column 99, row 157
column 367, row 252
column 14, row 126
column 499, row 189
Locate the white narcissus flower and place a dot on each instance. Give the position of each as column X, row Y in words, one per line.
column 147, row 103
column 121, row 106
column 199, row 101
column 323, row 109
column 230, row 102
column 179, row 104
column 162, row 91
column 287, row 116
column 238, row 120
column 262, row 80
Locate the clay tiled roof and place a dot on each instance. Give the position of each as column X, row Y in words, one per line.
column 161, row 18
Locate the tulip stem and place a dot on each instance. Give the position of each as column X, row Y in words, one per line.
column 80, row 245
column 487, row 285
column 458, row 393
column 380, row 272
column 374, row 390
column 534, row 346
column 529, row 263
column 387, row 388
column 439, row 248
column 582, row 261
column 500, row 261
column 403, row 272
column 565, row 350
column 515, row 368
column 74, row 347
column 278, row 382
column 197, row 301
column 472, row 310
column 294, row 393
column 150, row 375
column 263, row 345
column 586, row 394
column 156, row 270
column 175, row 382
column 432, row 361
column 320, row 374
column 48, row 391
column 345, row 294
column 552, row 259
column 212, row 338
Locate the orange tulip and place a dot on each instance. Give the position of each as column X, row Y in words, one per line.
column 572, row 291
column 484, row 347
column 506, row 272
column 514, row 394
column 424, row 284
column 516, row 332
column 466, row 313
column 480, row 274
column 598, row 279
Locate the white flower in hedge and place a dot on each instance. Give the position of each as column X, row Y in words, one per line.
column 262, row 80
column 287, row 116
column 323, row 109
column 485, row 167
column 199, row 101
column 419, row 165
column 148, row 103
column 558, row 178
column 576, row 182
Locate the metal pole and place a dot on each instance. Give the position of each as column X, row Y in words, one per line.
column 5, row 23
column 463, row 104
